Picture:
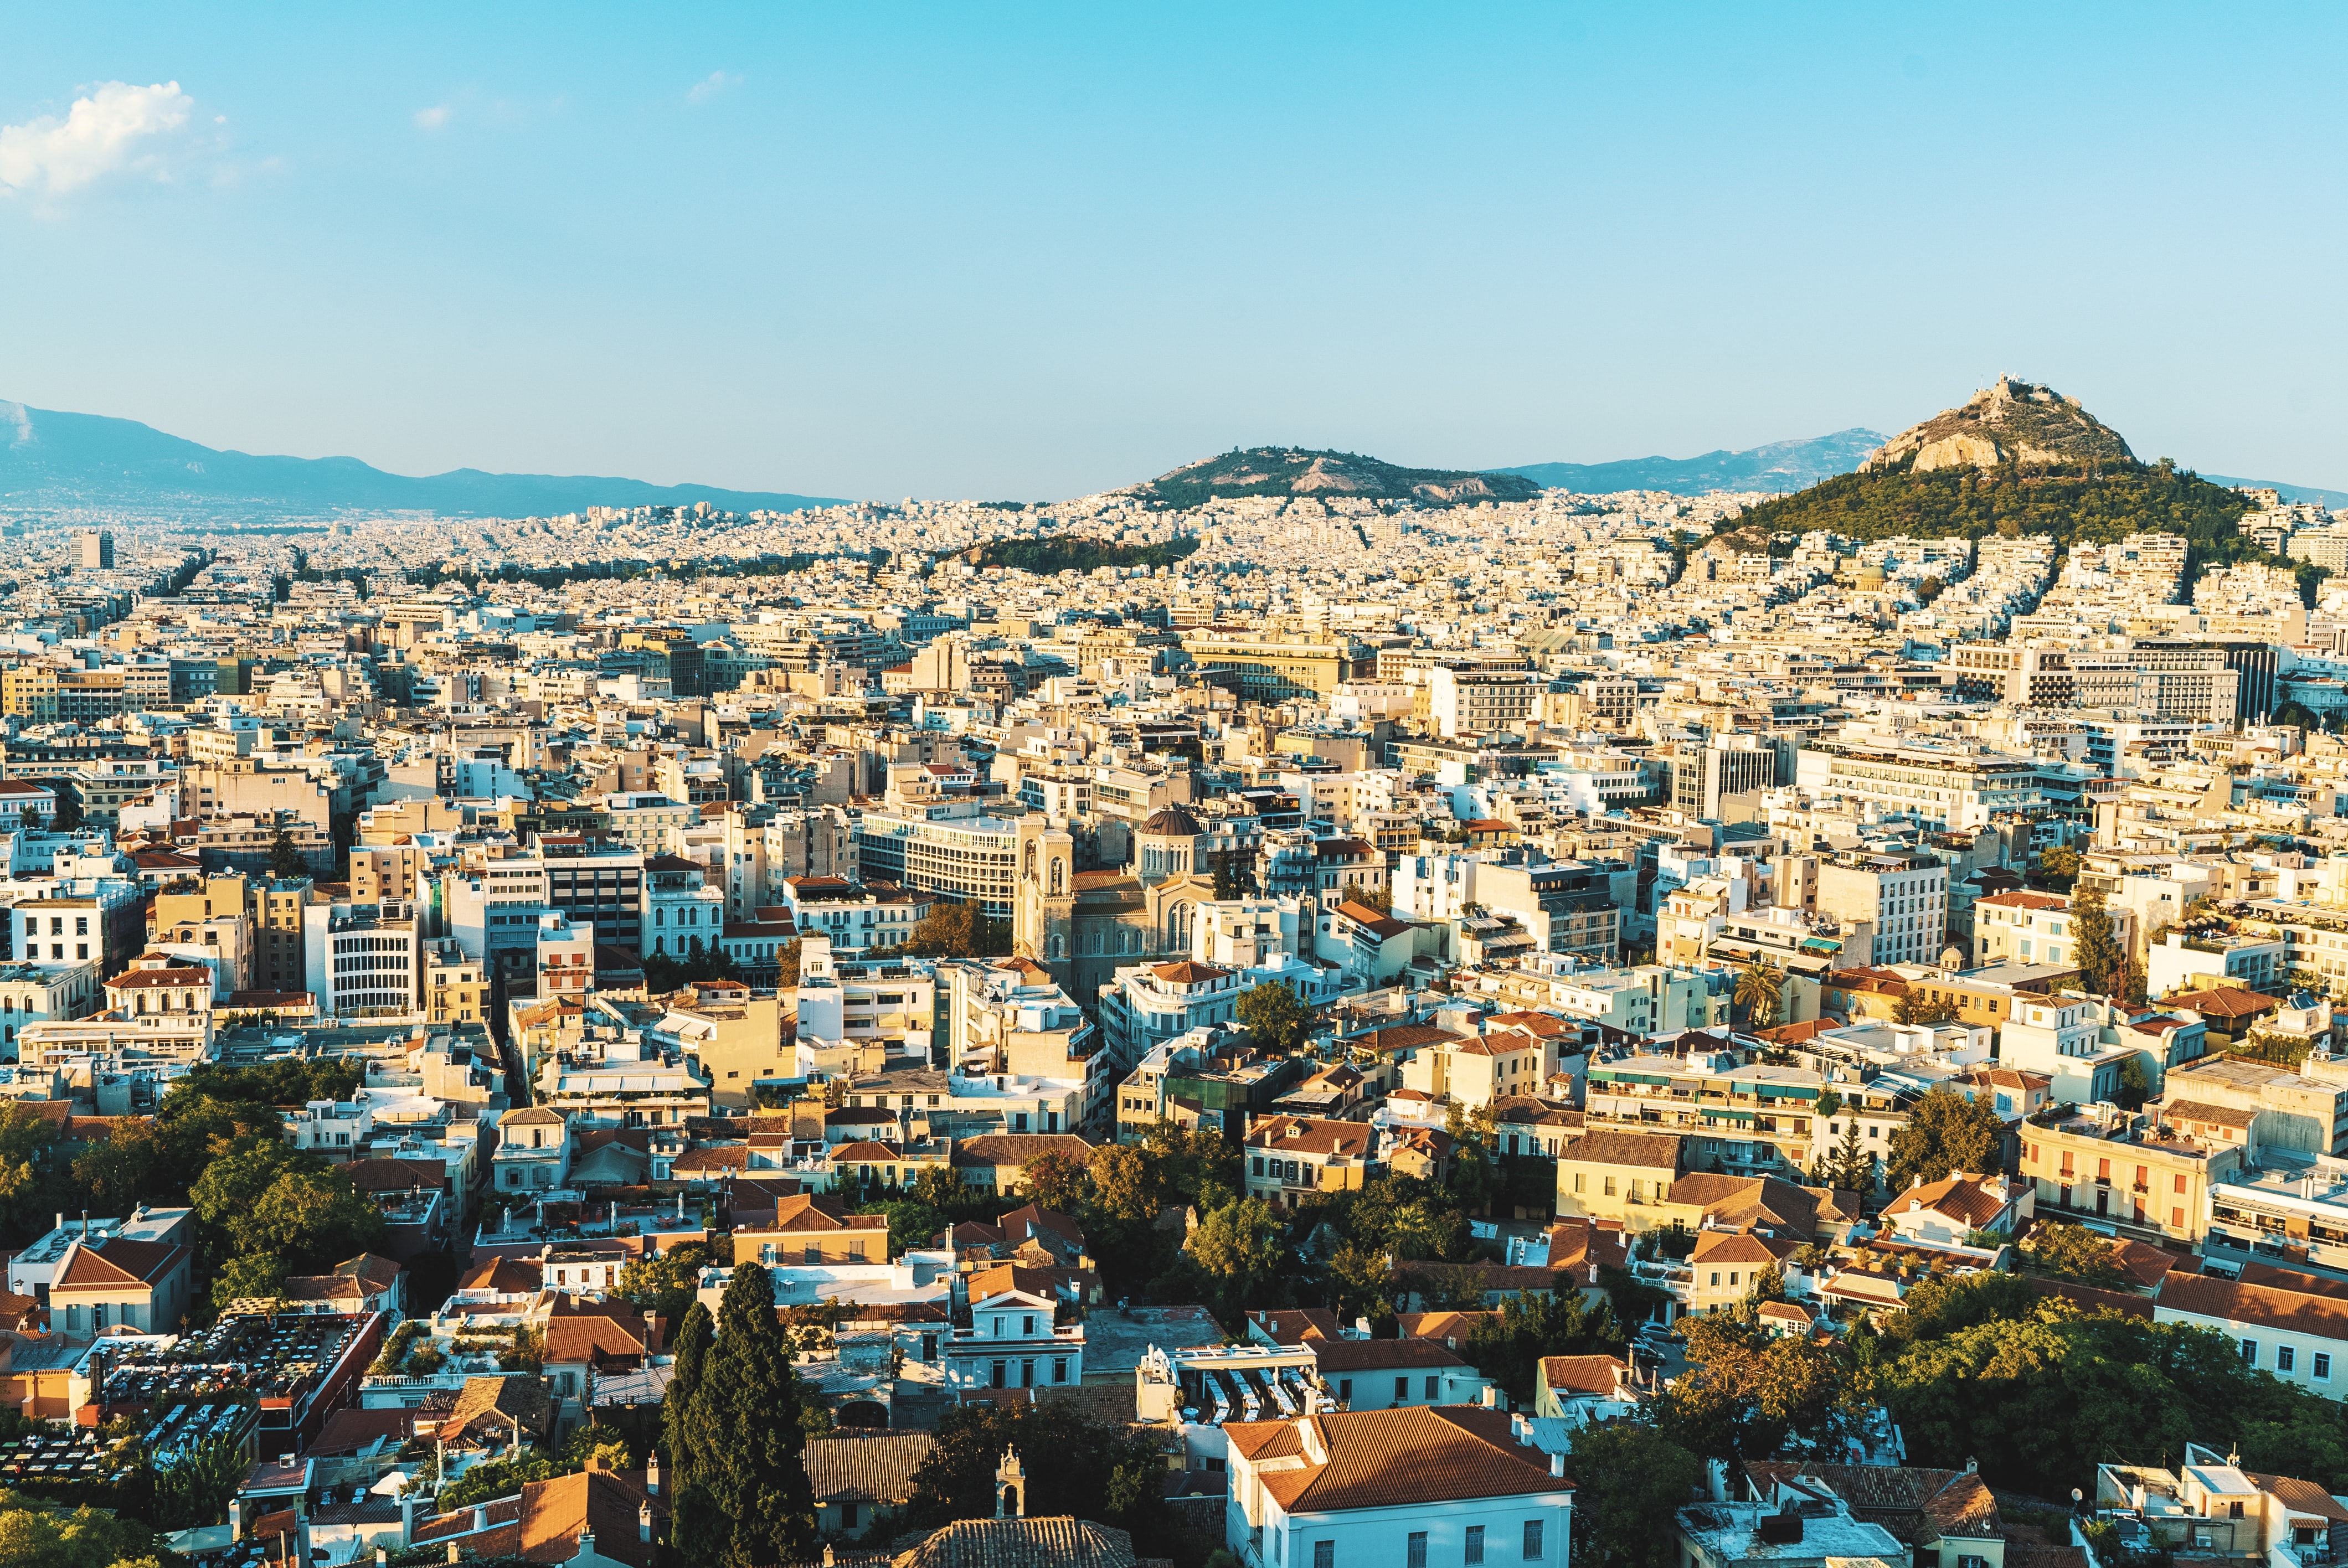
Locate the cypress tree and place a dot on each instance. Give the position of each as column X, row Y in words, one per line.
column 748, row 1500
column 679, row 1429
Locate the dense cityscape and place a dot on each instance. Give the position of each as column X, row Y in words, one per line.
column 1315, row 1025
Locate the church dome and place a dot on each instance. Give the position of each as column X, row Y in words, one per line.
column 1172, row 822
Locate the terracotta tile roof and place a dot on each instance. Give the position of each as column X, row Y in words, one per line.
column 1019, row 1148
column 1444, row 1326
column 2022, row 901
column 608, row 1501
column 1960, row 1196
column 1380, row 1355
column 2302, row 1497
column 1061, row 1540
column 1607, row 1146
column 390, row 1176
column 877, row 1468
column 2270, row 1307
column 1583, row 1374
column 1295, row 1325
column 2224, row 1001
column 1741, row 1247
column 730, row 1157
column 1395, row 1459
column 507, row 1276
column 99, row 1265
column 348, row 1430
column 1310, row 1135
column 817, row 1213
column 2206, row 1114
column 1187, row 973
column 487, row 1407
column 595, row 1339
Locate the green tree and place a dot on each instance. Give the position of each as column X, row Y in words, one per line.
column 958, row 931
column 1274, row 1016
column 2103, row 963
column 939, row 1187
column 286, row 860
column 2058, row 866
column 1073, row 1465
column 1475, row 1178
column 1913, row 1008
column 748, row 1500
column 249, row 1277
column 1507, row 1344
column 2074, row 1252
column 1629, row 1482
column 911, row 1224
column 67, row 817
column 1242, row 1251
column 1760, row 986
column 2136, row 1084
column 196, row 1487
column 666, row 1282
column 1056, row 1180
column 681, row 1433
column 1853, row 1167
column 1751, row 1391
column 1946, row 1132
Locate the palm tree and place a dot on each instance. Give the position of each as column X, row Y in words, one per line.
column 1759, row 985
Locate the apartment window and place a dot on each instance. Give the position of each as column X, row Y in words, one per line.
column 2250, row 1352
column 1059, row 1369
column 1324, row 1554
column 1402, row 1390
column 1430, row 1388
column 2324, row 1365
column 1345, row 1391
column 1609, row 1186
column 1002, row 1370
column 1577, row 1181
column 2177, row 1182
column 1532, row 1540
column 1475, row 1550
column 2284, row 1356
column 1027, row 1326
column 2176, row 1219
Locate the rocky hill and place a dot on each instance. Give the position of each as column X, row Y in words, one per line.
column 1287, row 471
column 2013, row 422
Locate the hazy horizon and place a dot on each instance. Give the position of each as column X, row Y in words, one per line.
column 1051, row 252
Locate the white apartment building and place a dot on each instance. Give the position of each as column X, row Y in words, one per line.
column 649, row 821
column 361, row 962
column 1904, row 896
column 968, row 858
column 1471, row 703
column 1939, row 788
column 1382, row 1488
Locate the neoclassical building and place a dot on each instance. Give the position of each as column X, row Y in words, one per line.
column 1081, row 925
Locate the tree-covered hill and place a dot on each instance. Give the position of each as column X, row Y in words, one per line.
column 2098, row 503
column 1285, row 471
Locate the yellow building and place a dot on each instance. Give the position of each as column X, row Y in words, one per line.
column 455, row 984
column 1612, row 1174
column 2152, row 1170
column 29, row 692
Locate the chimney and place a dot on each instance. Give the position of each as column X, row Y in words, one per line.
column 481, row 1516
column 1557, row 1467
column 407, row 1519
column 1491, row 1397
column 644, row 1521
column 586, row 1545
column 1308, row 1435
column 651, row 1473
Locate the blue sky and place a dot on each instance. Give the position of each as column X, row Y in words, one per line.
column 1022, row 251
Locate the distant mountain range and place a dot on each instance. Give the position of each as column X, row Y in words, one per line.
column 53, row 459
column 49, row 459
column 1781, row 465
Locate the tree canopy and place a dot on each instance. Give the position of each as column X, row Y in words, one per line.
column 745, row 1498
column 1946, row 1132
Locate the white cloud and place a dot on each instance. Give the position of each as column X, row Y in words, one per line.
column 112, row 128
column 710, row 86
column 434, row 118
